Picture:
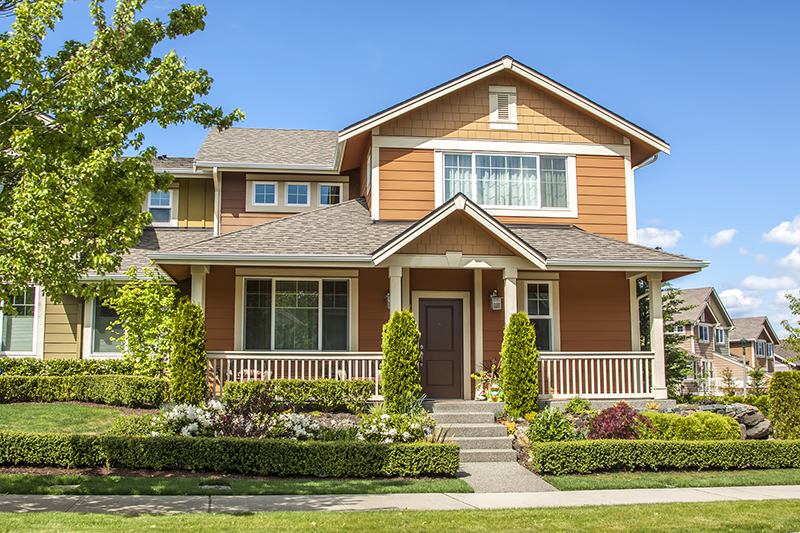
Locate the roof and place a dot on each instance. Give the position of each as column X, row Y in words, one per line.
column 303, row 148
column 696, row 299
column 165, row 162
column 750, row 328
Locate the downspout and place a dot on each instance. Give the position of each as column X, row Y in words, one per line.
column 217, row 202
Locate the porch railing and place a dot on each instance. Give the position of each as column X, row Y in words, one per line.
column 596, row 375
column 248, row 366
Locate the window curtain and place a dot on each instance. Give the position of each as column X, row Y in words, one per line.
column 554, row 181
column 506, row 180
column 457, row 175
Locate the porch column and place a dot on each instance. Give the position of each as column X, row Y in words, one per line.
column 657, row 335
column 199, row 285
column 395, row 289
column 510, row 292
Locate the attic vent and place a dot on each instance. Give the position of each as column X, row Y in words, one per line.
column 502, row 107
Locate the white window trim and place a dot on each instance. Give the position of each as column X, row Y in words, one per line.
column 87, row 345
column 309, row 192
column 38, row 327
column 700, row 336
column 252, row 199
column 495, row 122
column 239, row 321
column 679, row 329
column 173, row 208
column 770, row 352
column 319, row 193
column 571, row 211
column 717, row 332
column 555, row 311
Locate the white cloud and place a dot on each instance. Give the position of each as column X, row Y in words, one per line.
column 739, row 303
column 769, row 284
column 785, row 232
column 721, row 238
column 759, row 259
column 790, row 262
column 779, row 310
column 653, row 237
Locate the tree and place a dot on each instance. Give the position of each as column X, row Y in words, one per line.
column 188, row 365
column 792, row 342
column 70, row 204
column 758, row 380
column 518, row 368
column 728, row 383
column 400, row 380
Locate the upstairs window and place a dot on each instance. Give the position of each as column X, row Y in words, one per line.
column 297, row 194
column 265, row 193
column 330, row 194
column 760, row 349
column 160, row 204
column 502, row 107
column 679, row 328
column 719, row 336
column 18, row 329
column 769, row 350
column 702, row 333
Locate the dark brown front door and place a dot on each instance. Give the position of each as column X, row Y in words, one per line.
column 442, row 329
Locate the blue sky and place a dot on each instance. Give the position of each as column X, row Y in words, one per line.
column 717, row 80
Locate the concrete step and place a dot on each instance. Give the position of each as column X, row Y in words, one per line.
column 462, row 406
column 445, row 419
column 475, row 430
column 488, row 456
column 484, row 443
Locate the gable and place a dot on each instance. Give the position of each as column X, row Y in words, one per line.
column 464, row 114
column 457, row 233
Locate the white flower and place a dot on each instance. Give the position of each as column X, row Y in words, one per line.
column 406, row 435
column 384, row 417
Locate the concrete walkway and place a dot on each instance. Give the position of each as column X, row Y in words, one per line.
column 502, row 477
column 384, row 502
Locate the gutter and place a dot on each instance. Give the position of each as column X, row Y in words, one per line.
column 644, row 265
column 206, row 259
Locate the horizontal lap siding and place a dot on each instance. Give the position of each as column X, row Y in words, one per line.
column 63, row 328
column 406, row 184
column 220, row 303
column 233, row 205
column 493, row 321
column 595, row 311
column 373, row 284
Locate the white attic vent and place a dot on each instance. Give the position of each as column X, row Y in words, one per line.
column 502, row 107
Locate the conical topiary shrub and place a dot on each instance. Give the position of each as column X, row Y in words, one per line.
column 188, row 365
column 518, row 370
column 400, row 381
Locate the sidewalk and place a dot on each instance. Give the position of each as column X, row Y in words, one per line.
column 385, row 502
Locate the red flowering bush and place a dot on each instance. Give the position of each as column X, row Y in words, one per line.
column 619, row 422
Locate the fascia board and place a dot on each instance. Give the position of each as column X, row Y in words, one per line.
column 181, row 172
column 215, row 259
column 773, row 334
column 721, row 306
column 223, row 165
column 664, row 266
column 410, row 236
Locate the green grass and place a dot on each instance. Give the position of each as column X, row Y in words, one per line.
column 772, row 516
column 56, row 418
column 661, row 480
column 38, row 484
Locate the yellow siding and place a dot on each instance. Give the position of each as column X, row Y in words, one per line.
column 195, row 203
column 63, row 328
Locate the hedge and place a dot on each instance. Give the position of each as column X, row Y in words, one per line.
column 784, row 401
column 28, row 366
column 584, row 457
column 131, row 391
column 277, row 395
column 266, row 457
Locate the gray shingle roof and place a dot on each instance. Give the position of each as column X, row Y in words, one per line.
column 693, row 297
column 276, row 147
column 749, row 327
column 161, row 240
column 173, row 162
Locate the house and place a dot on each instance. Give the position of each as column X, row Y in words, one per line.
column 758, row 338
column 785, row 360
column 706, row 325
column 495, row 192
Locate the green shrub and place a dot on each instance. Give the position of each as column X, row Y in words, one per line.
column 762, row 402
column 577, row 406
column 400, row 380
column 28, row 366
column 131, row 426
column 277, row 395
column 784, row 402
column 518, row 368
column 265, row 457
column 661, row 426
column 701, row 425
column 131, row 391
column 188, row 365
column 585, row 457
column 551, row 425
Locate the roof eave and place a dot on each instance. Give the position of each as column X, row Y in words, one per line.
column 267, row 166
column 662, row 266
column 227, row 259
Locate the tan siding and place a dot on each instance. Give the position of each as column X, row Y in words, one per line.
column 465, row 114
column 196, row 203
column 406, row 176
column 493, row 321
column 63, row 328
column 373, row 284
column 456, row 233
column 595, row 311
column 233, row 205
column 220, row 303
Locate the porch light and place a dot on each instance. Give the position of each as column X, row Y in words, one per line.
column 496, row 301
column 388, row 300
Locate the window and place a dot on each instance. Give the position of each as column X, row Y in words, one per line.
column 719, row 336
column 540, row 313
column 330, row 194
column 102, row 330
column 265, row 193
column 160, row 204
column 19, row 329
column 702, row 333
column 297, row 194
column 292, row 315
column 769, row 350
column 679, row 328
column 502, row 107
column 507, row 180
column 760, row 349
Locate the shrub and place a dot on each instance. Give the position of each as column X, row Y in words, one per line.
column 699, row 426
column 400, row 379
column 577, row 406
column 762, row 402
column 265, row 457
column 28, row 366
column 393, row 427
column 131, row 391
column 618, row 422
column 188, row 365
column 131, row 426
column 278, row 395
column 519, row 366
column 551, row 425
column 784, row 402
column 585, row 457
column 187, row 420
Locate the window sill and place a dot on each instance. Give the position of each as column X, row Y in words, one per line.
column 528, row 212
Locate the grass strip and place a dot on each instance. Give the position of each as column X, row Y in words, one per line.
column 661, row 480
column 737, row 516
column 104, row 485
column 56, row 418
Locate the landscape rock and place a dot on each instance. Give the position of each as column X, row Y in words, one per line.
column 760, row 431
column 742, row 431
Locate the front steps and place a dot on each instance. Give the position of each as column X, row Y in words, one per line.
column 472, row 426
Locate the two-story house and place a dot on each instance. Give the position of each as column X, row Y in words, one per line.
column 496, row 192
column 760, row 342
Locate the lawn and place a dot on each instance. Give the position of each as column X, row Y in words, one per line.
column 661, row 480
column 772, row 516
column 56, row 418
column 176, row 486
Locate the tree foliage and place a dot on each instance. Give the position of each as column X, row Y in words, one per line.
column 518, row 368
column 400, row 380
column 792, row 342
column 69, row 202
column 188, row 367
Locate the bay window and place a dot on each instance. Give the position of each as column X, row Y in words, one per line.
column 540, row 313
column 18, row 330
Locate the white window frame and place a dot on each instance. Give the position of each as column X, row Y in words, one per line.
column 254, row 184
column 286, row 194
column 702, row 333
column 319, row 193
column 678, row 328
column 173, row 208
column 495, row 122
column 88, row 334
column 37, row 317
column 273, row 280
column 770, row 353
column 717, row 333
column 555, row 337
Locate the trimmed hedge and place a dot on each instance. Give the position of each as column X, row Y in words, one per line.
column 584, row 457
column 28, row 366
column 267, row 457
column 702, row 425
column 784, row 402
column 131, row 391
column 278, row 395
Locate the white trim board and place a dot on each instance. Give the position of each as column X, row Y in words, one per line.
column 488, row 145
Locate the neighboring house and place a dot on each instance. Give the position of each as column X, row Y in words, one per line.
column 496, row 192
column 785, row 360
column 760, row 342
column 707, row 326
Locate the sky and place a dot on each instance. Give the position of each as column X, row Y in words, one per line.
column 716, row 80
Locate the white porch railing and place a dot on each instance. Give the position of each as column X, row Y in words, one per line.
column 596, row 375
column 247, row 366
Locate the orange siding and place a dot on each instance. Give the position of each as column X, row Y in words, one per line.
column 220, row 302
column 233, row 205
column 493, row 321
column 406, row 182
column 373, row 284
column 456, row 233
column 595, row 312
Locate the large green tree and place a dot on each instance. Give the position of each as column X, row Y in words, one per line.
column 792, row 342
column 69, row 202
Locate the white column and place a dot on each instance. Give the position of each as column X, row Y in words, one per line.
column 395, row 289
column 199, row 285
column 480, row 298
column 657, row 335
column 510, row 292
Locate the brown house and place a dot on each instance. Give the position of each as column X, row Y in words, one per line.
column 496, row 192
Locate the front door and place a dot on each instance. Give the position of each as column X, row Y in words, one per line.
column 442, row 339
